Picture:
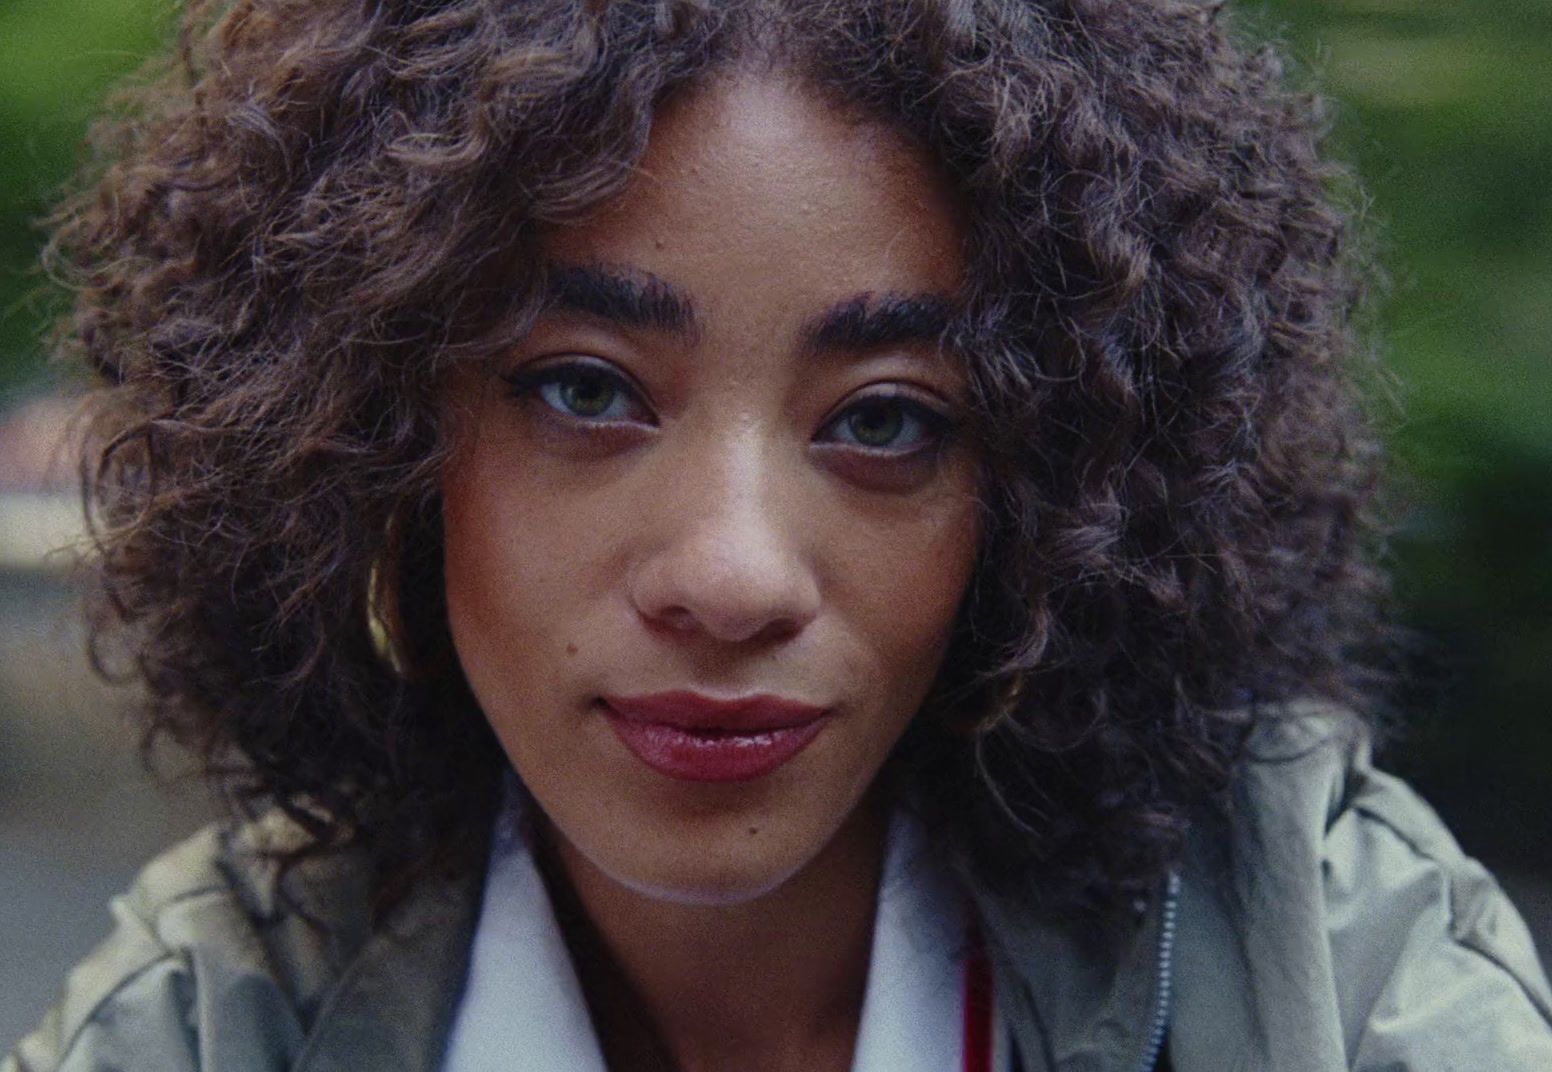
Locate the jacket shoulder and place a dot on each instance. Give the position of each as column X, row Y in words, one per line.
column 1361, row 935
column 1429, row 956
column 205, row 958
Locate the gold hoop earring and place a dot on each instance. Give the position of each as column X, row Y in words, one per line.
column 382, row 615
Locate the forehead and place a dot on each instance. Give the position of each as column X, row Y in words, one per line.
column 756, row 184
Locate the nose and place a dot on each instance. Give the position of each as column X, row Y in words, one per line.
column 723, row 556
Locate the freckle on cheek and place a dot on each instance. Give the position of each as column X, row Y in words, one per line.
column 753, row 830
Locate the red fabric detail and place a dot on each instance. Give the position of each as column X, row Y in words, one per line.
column 977, row 1007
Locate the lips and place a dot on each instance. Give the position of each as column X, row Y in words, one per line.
column 696, row 738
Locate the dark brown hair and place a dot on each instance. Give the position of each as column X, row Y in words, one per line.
column 317, row 206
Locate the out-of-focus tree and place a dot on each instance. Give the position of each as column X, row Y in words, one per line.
column 1443, row 105
column 56, row 60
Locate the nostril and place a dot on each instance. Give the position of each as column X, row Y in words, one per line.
column 779, row 630
column 681, row 621
column 675, row 619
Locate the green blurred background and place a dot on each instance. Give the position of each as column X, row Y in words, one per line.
column 1444, row 107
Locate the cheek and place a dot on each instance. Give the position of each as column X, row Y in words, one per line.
column 504, row 566
column 516, row 568
column 522, row 548
column 904, row 582
column 479, row 558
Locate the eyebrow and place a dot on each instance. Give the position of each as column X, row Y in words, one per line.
column 636, row 299
column 620, row 296
column 872, row 321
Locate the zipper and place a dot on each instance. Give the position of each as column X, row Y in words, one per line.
column 1159, row 1026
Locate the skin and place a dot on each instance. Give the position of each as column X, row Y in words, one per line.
column 732, row 523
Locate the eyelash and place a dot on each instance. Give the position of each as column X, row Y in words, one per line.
column 935, row 427
column 532, row 382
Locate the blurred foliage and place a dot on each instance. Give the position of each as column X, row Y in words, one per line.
column 56, row 61
column 1444, row 107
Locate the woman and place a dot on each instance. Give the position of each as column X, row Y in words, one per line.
column 753, row 535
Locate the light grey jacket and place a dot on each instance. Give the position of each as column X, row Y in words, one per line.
column 1335, row 925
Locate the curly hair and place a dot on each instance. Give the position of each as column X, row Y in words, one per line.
column 308, row 214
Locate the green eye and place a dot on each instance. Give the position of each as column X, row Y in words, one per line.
column 582, row 391
column 890, row 423
column 875, row 424
column 585, row 394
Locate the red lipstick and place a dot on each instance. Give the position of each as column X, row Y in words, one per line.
column 697, row 738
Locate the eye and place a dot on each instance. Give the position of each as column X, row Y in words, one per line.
column 589, row 392
column 890, row 424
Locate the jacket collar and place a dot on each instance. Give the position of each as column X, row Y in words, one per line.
column 370, row 994
column 1080, row 995
column 392, row 1007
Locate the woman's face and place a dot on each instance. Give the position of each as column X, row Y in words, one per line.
column 720, row 468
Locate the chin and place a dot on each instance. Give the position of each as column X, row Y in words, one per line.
column 719, row 892
column 696, row 877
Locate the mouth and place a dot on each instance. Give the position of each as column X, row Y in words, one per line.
column 695, row 738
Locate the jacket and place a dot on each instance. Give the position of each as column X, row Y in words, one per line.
column 1332, row 924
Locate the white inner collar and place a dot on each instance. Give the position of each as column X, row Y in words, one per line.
column 523, row 1007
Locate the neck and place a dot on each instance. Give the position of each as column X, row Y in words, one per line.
column 773, row 983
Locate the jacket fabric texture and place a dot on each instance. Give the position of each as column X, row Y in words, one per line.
column 1333, row 923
